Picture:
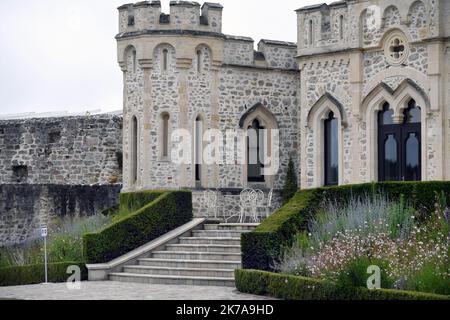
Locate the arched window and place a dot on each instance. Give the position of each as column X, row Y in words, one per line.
column 134, row 150
column 331, row 153
column 165, row 60
column 198, row 143
column 199, row 61
column 311, row 32
column 165, row 135
column 255, row 150
column 341, row 27
column 399, row 144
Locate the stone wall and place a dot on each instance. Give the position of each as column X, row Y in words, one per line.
column 71, row 150
column 24, row 207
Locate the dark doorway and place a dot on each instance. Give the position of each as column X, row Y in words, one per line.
column 399, row 145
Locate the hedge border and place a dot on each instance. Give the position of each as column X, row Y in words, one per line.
column 166, row 212
column 34, row 274
column 290, row 287
column 262, row 246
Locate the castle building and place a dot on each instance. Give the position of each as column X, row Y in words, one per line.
column 364, row 94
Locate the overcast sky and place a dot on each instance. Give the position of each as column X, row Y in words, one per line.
column 60, row 55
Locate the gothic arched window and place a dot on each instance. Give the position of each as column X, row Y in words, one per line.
column 255, row 151
column 399, row 144
column 331, row 150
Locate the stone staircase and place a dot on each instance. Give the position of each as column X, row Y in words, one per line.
column 208, row 257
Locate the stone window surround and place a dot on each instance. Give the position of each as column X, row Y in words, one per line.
column 396, row 35
column 316, row 122
column 398, row 101
column 165, row 62
column 268, row 121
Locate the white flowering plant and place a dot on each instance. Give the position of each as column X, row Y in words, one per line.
column 343, row 241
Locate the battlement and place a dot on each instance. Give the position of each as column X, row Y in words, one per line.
column 354, row 24
column 184, row 15
column 322, row 25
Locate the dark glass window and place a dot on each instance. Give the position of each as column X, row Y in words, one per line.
column 413, row 114
column 399, row 145
column 390, row 158
column 412, row 166
column 331, row 151
column 386, row 116
column 255, row 148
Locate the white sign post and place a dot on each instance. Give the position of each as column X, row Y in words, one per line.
column 44, row 233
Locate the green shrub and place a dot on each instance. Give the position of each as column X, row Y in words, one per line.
column 429, row 279
column 34, row 274
column 167, row 212
column 261, row 247
column 354, row 274
column 133, row 201
column 300, row 288
column 291, row 185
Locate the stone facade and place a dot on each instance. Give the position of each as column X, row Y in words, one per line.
column 73, row 150
column 351, row 57
column 55, row 167
column 24, row 208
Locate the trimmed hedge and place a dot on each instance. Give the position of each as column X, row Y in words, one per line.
column 167, row 212
column 262, row 246
column 133, row 201
column 34, row 274
column 300, row 288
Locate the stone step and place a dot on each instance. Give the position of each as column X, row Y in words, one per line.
column 205, row 264
column 172, row 280
column 203, row 248
column 231, row 226
column 217, row 233
column 204, row 240
column 183, row 255
column 184, row 272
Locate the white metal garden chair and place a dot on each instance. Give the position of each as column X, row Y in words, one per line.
column 269, row 203
column 247, row 202
column 258, row 200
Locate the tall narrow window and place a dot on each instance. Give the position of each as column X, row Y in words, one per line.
column 311, row 32
column 341, row 27
column 165, row 59
column 255, row 143
column 199, row 61
column 134, row 61
column 165, row 135
column 134, row 150
column 331, row 150
column 198, row 150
